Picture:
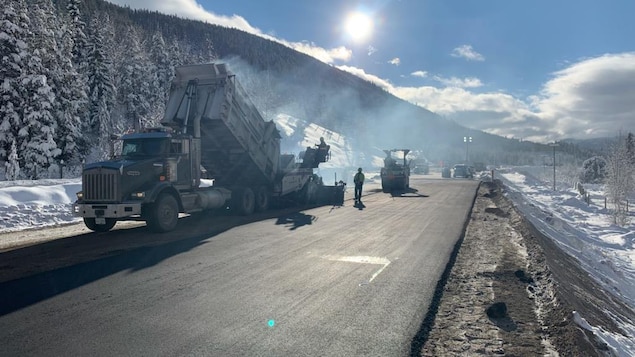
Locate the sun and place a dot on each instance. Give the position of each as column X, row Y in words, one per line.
column 359, row 26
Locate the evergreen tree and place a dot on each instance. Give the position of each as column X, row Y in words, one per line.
column 37, row 146
column 13, row 57
column 134, row 85
column 70, row 105
column 162, row 72
column 101, row 93
column 78, row 29
column 593, row 170
column 42, row 85
column 630, row 148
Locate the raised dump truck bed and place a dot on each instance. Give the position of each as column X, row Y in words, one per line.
column 238, row 148
column 209, row 123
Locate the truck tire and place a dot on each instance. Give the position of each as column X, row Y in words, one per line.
column 243, row 201
column 385, row 186
column 93, row 226
column 262, row 199
column 163, row 215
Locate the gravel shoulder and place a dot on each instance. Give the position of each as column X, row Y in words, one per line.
column 511, row 291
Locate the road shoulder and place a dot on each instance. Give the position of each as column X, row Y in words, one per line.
column 501, row 297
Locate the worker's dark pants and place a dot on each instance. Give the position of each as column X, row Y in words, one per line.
column 358, row 192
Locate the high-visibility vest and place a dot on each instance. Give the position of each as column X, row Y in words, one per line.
column 359, row 178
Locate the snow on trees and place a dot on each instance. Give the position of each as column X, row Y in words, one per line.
column 133, row 85
column 12, row 166
column 620, row 183
column 77, row 28
column 101, row 90
column 13, row 31
column 593, row 170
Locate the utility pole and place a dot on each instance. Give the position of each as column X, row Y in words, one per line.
column 554, row 145
column 467, row 140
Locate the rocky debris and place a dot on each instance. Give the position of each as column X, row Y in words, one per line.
column 497, row 310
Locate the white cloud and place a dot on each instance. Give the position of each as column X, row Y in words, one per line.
column 371, row 50
column 421, row 74
column 467, row 52
column 590, row 98
column 191, row 9
column 383, row 83
column 593, row 96
column 470, row 82
column 325, row 55
column 395, row 61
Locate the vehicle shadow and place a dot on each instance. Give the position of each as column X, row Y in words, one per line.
column 408, row 192
column 35, row 273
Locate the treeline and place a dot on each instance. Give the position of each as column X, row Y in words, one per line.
column 69, row 80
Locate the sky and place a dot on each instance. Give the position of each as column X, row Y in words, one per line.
column 533, row 70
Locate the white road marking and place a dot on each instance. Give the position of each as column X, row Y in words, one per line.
column 363, row 260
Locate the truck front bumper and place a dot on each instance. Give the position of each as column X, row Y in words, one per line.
column 111, row 210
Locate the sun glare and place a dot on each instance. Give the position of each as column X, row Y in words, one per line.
column 359, row 26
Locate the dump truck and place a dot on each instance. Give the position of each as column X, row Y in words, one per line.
column 395, row 175
column 213, row 150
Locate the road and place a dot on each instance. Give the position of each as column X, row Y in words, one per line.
column 328, row 281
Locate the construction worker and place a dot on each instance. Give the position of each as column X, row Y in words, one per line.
column 322, row 145
column 359, row 182
column 323, row 151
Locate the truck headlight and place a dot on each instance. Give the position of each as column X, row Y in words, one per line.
column 79, row 195
column 138, row 195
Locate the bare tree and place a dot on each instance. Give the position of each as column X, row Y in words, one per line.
column 620, row 183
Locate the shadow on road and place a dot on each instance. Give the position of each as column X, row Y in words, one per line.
column 296, row 220
column 408, row 193
column 39, row 272
column 359, row 205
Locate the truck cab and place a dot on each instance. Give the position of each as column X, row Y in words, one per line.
column 148, row 162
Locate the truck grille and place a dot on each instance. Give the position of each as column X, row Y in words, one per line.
column 101, row 185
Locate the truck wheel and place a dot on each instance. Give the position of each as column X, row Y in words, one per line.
column 385, row 187
column 243, row 201
column 262, row 199
column 163, row 214
column 93, row 226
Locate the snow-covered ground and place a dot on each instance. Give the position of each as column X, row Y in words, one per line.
column 585, row 231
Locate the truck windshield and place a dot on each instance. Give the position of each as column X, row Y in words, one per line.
column 145, row 147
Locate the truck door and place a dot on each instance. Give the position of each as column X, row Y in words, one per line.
column 179, row 150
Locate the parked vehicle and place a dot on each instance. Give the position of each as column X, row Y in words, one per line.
column 210, row 125
column 463, row 171
column 421, row 166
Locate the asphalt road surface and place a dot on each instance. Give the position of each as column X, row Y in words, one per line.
column 327, row 281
